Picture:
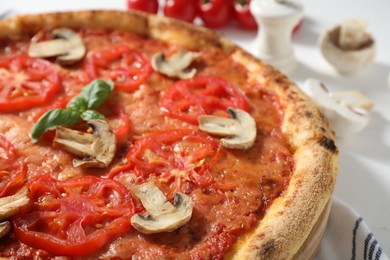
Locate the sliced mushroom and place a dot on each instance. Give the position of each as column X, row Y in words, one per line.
column 4, row 228
column 176, row 65
column 346, row 117
column 67, row 46
column 162, row 215
column 11, row 205
column 353, row 98
column 97, row 149
column 348, row 47
column 239, row 131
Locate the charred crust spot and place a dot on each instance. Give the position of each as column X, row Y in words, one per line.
column 308, row 114
column 328, row 144
column 268, row 249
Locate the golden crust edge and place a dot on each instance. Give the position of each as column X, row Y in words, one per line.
column 316, row 158
column 306, row 129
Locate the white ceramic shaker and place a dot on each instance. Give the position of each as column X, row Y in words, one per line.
column 276, row 19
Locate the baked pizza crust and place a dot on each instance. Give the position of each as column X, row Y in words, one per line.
column 291, row 217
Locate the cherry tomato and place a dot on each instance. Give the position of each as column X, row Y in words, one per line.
column 128, row 68
column 74, row 217
column 181, row 9
column 215, row 13
column 188, row 99
column 148, row 6
column 26, row 82
column 243, row 15
column 298, row 26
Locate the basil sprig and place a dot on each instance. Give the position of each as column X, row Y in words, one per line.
column 80, row 107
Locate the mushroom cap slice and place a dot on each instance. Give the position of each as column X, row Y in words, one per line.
column 67, row 46
column 5, row 227
column 97, row 149
column 348, row 47
column 344, row 118
column 240, row 130
column 176, row 65
column 11, row 205
column 162, row 215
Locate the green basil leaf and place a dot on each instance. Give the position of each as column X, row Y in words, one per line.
column 96, row 92
column 78, row 104
column 91, row 114
column 51, row 119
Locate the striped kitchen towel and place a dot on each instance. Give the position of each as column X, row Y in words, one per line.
column 348, row 237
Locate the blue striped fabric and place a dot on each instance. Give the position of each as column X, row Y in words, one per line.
column 347, row 236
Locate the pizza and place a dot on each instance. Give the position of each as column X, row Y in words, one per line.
column 126, row 135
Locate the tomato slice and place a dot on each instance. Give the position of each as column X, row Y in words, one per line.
column 127, row 67
column 174, row 156
column 188, row 99
column 12, row 179
column 74, row 217
column 12, row 174
column 7, row 151
column 26, row 82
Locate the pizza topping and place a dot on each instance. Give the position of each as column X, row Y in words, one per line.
column 346, row 115
column 239, row 130
column 127, row 67
column 11, row 205
column 67, row 46
column 203, row 95
column 74, row 217
column 80, row 107
column 97, row 149
column 176, row 65
column 4, row 228
column 162, row 215
column 26, row 82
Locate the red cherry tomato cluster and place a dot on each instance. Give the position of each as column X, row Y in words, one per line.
column 213, row 13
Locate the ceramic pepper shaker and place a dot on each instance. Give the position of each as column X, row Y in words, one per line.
column 276, row 19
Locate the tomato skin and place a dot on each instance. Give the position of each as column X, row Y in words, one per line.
column 244, row 16
column 185, row 10
column 11, row 183
column 12, row 172
column 7, row 151
column 60, row 212
column 128, row 68
column 298, row 26
column 148, row 6
column 188, row 99
column 26, row 82
column 215, row 13
column 174, row 156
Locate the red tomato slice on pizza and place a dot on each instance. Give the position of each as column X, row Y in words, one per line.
column 188, row 99
column 12, row 179
column 12, row 174
column 74, row 217
column 26, row 82
column 174, row 156
column 128, row 68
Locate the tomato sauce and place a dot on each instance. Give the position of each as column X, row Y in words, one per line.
column 230, row 189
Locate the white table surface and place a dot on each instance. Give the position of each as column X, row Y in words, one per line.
column 364, row 177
